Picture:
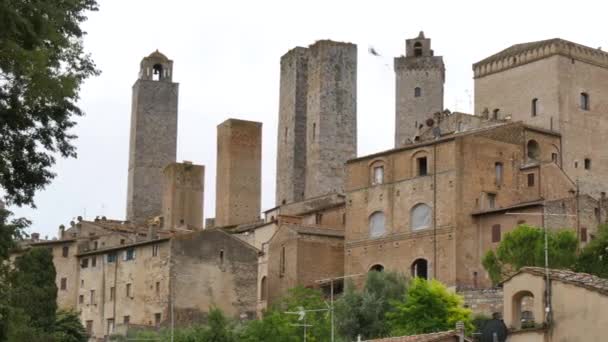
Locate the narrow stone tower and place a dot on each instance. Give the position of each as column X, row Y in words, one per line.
column 239, row 171
column 291, row 142
column 419, row 88
column 331, row 115
column 153, row 142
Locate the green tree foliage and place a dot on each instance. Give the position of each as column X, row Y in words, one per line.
column 364, row 312
column 428, row 307
column 33, row 289
column 593, row 258
column 42, row 66
column 275, row 326
column 308, row 299
column 524, row 246
column 68, row 328
column 218, row 329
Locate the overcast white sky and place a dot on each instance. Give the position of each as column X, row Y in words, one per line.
column 226, row 59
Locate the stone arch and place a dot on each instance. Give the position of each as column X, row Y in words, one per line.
column 157, row 72
column 376, row 268
column 420, row 268
column 524, row 309
column 263, row 289
column 377, row 171
column 533, row 150
column 420, row 216
column 417, row 49
column 377, row 224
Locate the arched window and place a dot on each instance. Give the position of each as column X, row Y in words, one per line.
column 376, row 268
column 263, row 288
column 377, row 226
column 417, row 92
column 377, row 174
column 523, row 310
column 584, row 101
column 534, row 107
column 533, row 150
column 421, row 216
column 420, row 268
column 418, row 49
column 157, row 72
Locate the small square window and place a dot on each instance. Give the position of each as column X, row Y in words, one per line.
column 126, row 319
column 64, row 284
column 583, row 234
column 587, row 164
column 111, row 257
column 94, row 261
column 554, row 157
column 81, row 299
column 84, row 263
column 65, row 251
column 491, row 201
column 157, row 318
column 128, row 290
column 130, row 254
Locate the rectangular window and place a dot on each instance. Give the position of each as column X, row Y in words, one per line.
column 157, row 318
column 92, row 298
column 95, row 245
column 491, row 201
column 158, row 288
column 554, row 157
column 530, row 179
column 81, row 282
column 496, row 233
column 422, row 166
column 94, row 261
column 282, row 262
column 128, row 290
column 89, row 325
column 130, row 254
column 81, row 299
column 64, row 284
column 65, row 251
column 110, row 326
column 155, row 250
column 126, row 319
column 583, row 234
column 111, row 257
column 499, row 171
column 84, row 263
column 112, row 292
column 378, row 175
column 122, row 241
column 587, row 164
column 318, row 218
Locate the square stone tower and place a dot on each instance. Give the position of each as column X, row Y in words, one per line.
column 291, row 142
column 153, row 142
column 239, row 171
column 331, row 115
column 183, row 197
column 419, row 88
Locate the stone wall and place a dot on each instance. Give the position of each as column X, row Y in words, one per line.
column 484, row 302
column 183, row 195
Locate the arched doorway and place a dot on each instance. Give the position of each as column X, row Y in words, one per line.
column 420, row 268
column 376, row 268
column 533, row 150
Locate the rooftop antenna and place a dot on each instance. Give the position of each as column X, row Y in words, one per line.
column 468, row 92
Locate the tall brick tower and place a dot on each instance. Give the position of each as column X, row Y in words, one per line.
column 153, row 142
column 291, row 142
column 331, row 115
column 239, row 171
column 419, row 88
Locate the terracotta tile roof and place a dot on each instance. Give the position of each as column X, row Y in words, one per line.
column 583, row 280
column 432, row 337
column 317, row 231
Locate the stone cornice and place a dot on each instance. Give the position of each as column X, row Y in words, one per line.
column 521, row 54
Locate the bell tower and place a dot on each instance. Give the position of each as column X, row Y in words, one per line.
column 153, row 141
column 419, row 77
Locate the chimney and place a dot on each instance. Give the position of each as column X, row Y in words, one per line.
column 62, row 231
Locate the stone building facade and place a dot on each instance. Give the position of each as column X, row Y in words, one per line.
column 419, row 79
column 557, row 85
column 153, row 142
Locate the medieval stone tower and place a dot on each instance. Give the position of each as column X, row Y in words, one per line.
column 153, row 141
column 291, row 142
column 419, row 88
column 317, row 120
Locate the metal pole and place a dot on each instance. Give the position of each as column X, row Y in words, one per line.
column 331, row 286
column 172, row 296
column 548, row 284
